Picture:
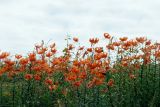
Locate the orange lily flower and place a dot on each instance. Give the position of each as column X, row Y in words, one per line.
column 123, row 39
column 107, row 35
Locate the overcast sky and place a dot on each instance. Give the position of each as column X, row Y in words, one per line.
column 26, row 22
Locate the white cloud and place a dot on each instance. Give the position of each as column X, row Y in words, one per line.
column 25, row 22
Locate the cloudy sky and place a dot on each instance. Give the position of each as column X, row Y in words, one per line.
column 26, row 22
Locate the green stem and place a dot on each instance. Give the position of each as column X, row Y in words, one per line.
column 159, row 82
column 1, row 90
column 13, row 91
column 84, row 101
column 155, row 70
column 142, row 69
column 110, row 97
column 78, row 97
column 97, row 101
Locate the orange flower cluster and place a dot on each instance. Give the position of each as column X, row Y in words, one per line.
column 87, row 67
